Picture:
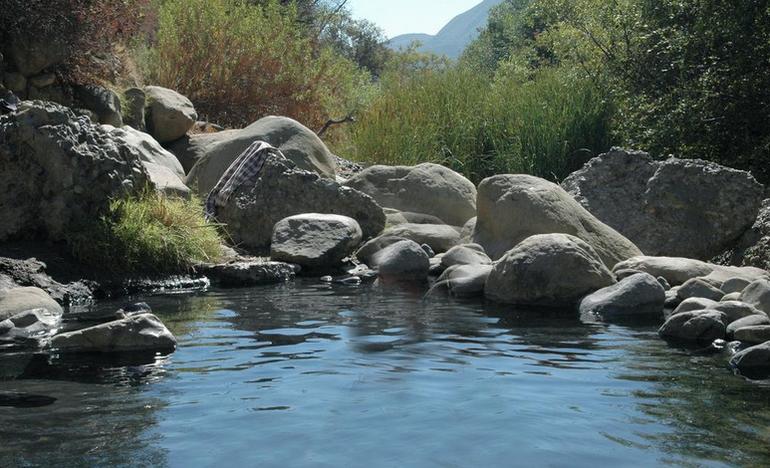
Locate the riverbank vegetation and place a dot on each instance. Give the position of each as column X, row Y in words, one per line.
column 149, row 233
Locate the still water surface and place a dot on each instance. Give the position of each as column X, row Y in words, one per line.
column 308, row 374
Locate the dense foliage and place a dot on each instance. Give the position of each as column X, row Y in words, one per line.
column 687, row 77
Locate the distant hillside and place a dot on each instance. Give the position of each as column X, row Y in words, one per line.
column 455, row 36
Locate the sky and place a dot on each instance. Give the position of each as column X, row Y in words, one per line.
column 397, row 17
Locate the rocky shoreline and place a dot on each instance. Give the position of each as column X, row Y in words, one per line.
column 625, row 238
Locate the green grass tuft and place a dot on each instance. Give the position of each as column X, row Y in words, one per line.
column 149, row 233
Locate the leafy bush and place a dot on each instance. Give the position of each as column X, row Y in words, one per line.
column 238, row 62
column 85, row 28
column 548, row 124
column 149, row 233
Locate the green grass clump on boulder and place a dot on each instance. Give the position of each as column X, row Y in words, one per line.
column 149, row 233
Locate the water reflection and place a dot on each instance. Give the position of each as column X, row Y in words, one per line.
column 316, row 374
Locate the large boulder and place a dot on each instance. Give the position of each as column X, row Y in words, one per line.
column 677, row 207
column 639, row 295
column 677, row 270
column 18, row 300
column 168, row 114
column 439, row 237
column 191, row 148
column 464, row 280
column 513, row 207
column 101, row 101
column 753, row 362
column 698, row 326
column 314, row 240
column 58, row 171
column 426, row 188
column 465, row 254
column 548, row 270
column 282, row 191
column 297, row 142
column 403, row 261
column 757, row 294
column 753, row 248
column 147, row 149
column 140, row 332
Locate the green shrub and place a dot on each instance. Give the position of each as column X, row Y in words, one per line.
column 238, row 62
column 548, row 124
column 149, row 233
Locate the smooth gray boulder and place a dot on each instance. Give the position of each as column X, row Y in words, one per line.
column 681, row 207
column 58, row 171
column 758, row 295
column 753, row 248
column 402, row 261
column 298, row 143
column 694, row 303
column 512, row 208
column 34, row 324
column 464, row 280
column 440, row 237
column 192, row 147
column 753, row 362
column 166, row 181
column 735, row 310
column 366, row 252
column 554, row 270
column 426, row 188
column 282, row 191
column 748, row 321
column 465, row 254
column 753, row 334
column 736, row 296
column 702, row 326
column 147, row 149
column 697, row 287
column 141, row 332
column 635, row 296
column 677, row 270
column 314, row 240
column 18, row 300
column 734, row 285
column 168, row 114
column 395, row 217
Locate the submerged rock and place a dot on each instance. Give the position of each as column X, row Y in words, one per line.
column 638, row 295
column 753, row 362
column 141, row 332
column 426, row 188
column 681, row 207
column 547, row 270
column 315, row 240
column 512, row 208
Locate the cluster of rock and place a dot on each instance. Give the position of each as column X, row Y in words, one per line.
column 29, row 317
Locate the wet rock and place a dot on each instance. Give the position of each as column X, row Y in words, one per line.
column 282, row 191
column 143, row 332
column 244, row 273
column 701, row 326
column 748, row 321
column 464, row 280
column 512, row 208
column 682, row 207
column 440, row 237
column 547, row 270
column 366, row 253
column 298, row 143
column 758, row 295
column 753, row 362
column 168, row 114
column 635, row 296
column 426, row 188
column 697, row 287
column 29, row 326
column 15, row 82
column 18, row 300
column 402, row 261
column 32, row 272
column 315, row 240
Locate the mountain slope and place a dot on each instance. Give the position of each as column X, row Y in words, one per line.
column 455, row 36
